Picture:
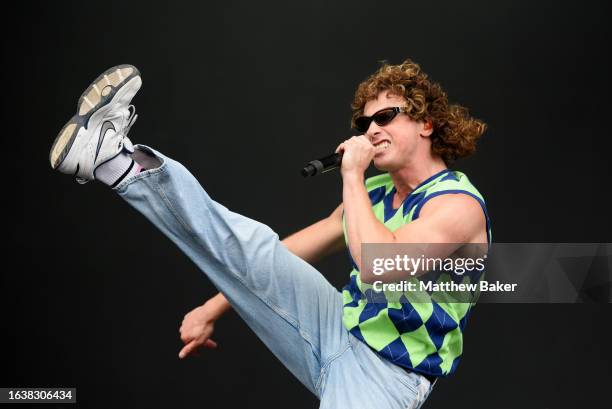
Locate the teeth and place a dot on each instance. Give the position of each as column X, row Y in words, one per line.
column 382, row 146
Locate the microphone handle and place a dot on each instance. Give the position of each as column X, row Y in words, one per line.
column 322, row 165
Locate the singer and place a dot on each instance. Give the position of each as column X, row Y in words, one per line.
column 348, row 352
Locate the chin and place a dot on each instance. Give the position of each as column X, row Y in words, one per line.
column 383, row 163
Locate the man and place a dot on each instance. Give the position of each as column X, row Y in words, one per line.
column 351, row 353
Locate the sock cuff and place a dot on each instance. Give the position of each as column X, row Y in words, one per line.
column 115, row 170
column 129, row 171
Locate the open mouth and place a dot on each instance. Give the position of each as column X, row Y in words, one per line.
column 382, row 146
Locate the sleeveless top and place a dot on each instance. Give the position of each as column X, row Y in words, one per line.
column 425, row 337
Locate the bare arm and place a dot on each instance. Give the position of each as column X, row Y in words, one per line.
column 450, row 219
column 311, row 244
column 453, row 219
column 318, row 240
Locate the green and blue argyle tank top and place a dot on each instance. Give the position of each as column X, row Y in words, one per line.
column 426, row 337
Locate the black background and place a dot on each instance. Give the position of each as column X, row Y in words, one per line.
column 243, row 94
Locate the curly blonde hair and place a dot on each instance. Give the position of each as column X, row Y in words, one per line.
column 455, row 132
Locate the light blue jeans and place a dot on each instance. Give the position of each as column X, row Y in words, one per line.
column 291, row 307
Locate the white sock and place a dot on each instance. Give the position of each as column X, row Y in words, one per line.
column 117, row 169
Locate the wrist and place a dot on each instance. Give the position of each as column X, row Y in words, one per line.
column 353, row 177
column 216, row 306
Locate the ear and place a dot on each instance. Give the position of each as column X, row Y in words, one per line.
column 427, row 128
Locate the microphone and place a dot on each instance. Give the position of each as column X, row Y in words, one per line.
column 322, row 165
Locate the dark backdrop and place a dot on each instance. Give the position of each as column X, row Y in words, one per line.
column 244, row 93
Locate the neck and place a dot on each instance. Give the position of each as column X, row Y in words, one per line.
column 414, row 173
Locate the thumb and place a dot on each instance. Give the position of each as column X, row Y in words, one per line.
column 340, row 148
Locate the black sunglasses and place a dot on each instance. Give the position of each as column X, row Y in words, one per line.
column 381, row 118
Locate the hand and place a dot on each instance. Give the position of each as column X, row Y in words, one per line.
column 196, row 330
column 358, row 153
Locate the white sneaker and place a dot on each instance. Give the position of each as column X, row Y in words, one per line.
column 98, row 132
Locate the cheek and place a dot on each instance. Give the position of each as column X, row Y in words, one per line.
column 403, row 141
column 408, row 136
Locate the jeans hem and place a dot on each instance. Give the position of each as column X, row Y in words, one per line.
column 121, row 187
column 165, row 165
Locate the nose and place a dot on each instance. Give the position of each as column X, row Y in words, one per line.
column 373, row 130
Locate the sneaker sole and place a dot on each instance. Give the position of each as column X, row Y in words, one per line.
column 97, row 95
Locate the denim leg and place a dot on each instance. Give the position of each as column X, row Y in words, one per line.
column 359, row 378
column 289, row 305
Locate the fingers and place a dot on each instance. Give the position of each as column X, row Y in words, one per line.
column 210, row 344
column 343, row 145
column 192, row 347
column 189, row 348
column 186, row 337
column 364, row 139
column 353, row 139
